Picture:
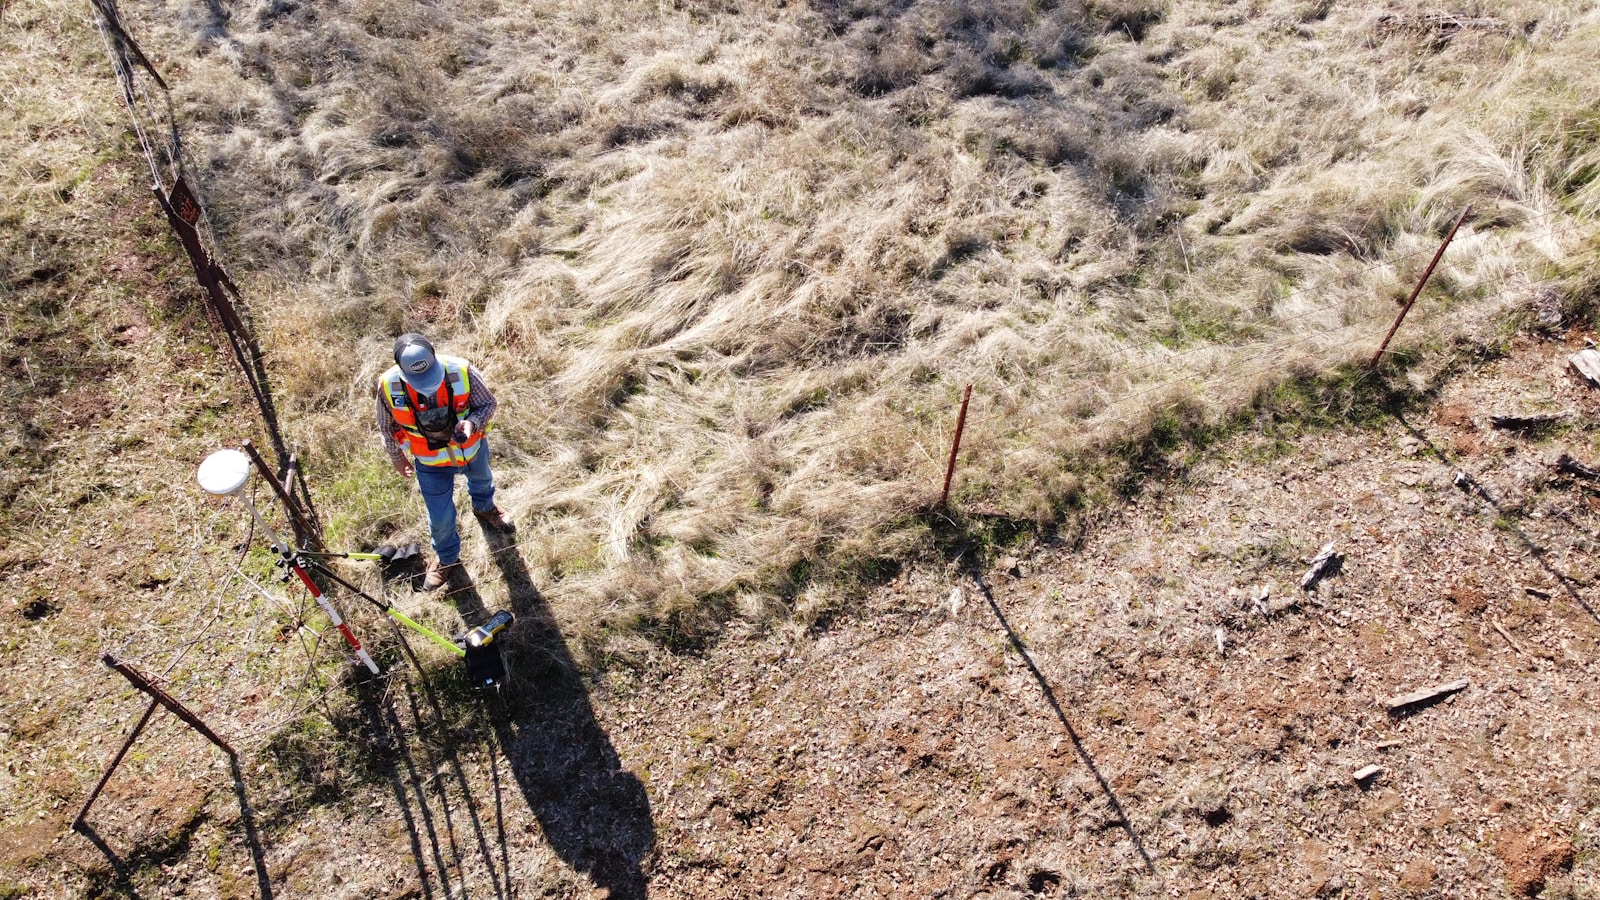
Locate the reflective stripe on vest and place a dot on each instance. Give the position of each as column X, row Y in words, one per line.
column 398, row 397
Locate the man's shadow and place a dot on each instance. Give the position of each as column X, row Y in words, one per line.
column 595, row 814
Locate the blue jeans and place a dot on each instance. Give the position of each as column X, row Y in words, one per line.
column 438, row 484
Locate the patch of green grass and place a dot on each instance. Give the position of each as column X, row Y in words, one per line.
column 1194, row 326
column 1276, row 551
column 687, row 629
column 1350, row 396
column 365, row 503
column 960, row 533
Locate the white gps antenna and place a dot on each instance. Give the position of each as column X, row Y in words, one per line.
column 224, row 473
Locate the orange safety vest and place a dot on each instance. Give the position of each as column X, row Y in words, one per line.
column 455, row 389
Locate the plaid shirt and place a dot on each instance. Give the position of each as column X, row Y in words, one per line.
column 480, row 408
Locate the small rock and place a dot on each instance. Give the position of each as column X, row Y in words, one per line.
column 1544, row 301
column 1366, row 774
column 1011, row 566
column 1281, row 605
column 958, row 598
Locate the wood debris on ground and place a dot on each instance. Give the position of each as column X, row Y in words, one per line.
column 1586, row 363
column 1413, row 698
column 1366, row 773
column 1321, row 564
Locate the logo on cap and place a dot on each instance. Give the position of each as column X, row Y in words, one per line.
column 419, row 366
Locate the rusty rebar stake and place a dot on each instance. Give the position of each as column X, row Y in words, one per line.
column 301, row 519
column 295, row 477
column 1417, row 291
column 288, row 473
column 955, row 446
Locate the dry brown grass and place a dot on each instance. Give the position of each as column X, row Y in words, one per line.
column 729, row 263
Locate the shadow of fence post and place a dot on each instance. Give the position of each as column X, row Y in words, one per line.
column 252, row 835
column 1055, row 705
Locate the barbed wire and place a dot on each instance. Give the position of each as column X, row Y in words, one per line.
column 305, row 699
column 1267, row 349
column 1175, row 355
column 144, row 112
column 155, row 125
column 1166, row 359
column 174, row 742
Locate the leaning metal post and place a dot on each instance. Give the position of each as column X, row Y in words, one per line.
column 158, row 697
column 167, row 700
column 1421, row 282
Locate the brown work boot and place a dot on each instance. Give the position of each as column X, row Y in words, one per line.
column 437, row 575
column 493, row 520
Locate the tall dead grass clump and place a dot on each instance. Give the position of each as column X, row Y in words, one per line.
column 729, row 264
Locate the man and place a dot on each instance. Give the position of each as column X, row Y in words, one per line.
column 437, row 408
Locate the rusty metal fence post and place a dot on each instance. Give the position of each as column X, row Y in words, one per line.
column 185, row 215
column 158, row 697
column 1417, row 291
column 182, row 209
column 955, row 447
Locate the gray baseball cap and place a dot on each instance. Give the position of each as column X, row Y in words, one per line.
column 419, row 366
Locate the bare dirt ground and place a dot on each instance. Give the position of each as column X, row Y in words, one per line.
column 1152, row 709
